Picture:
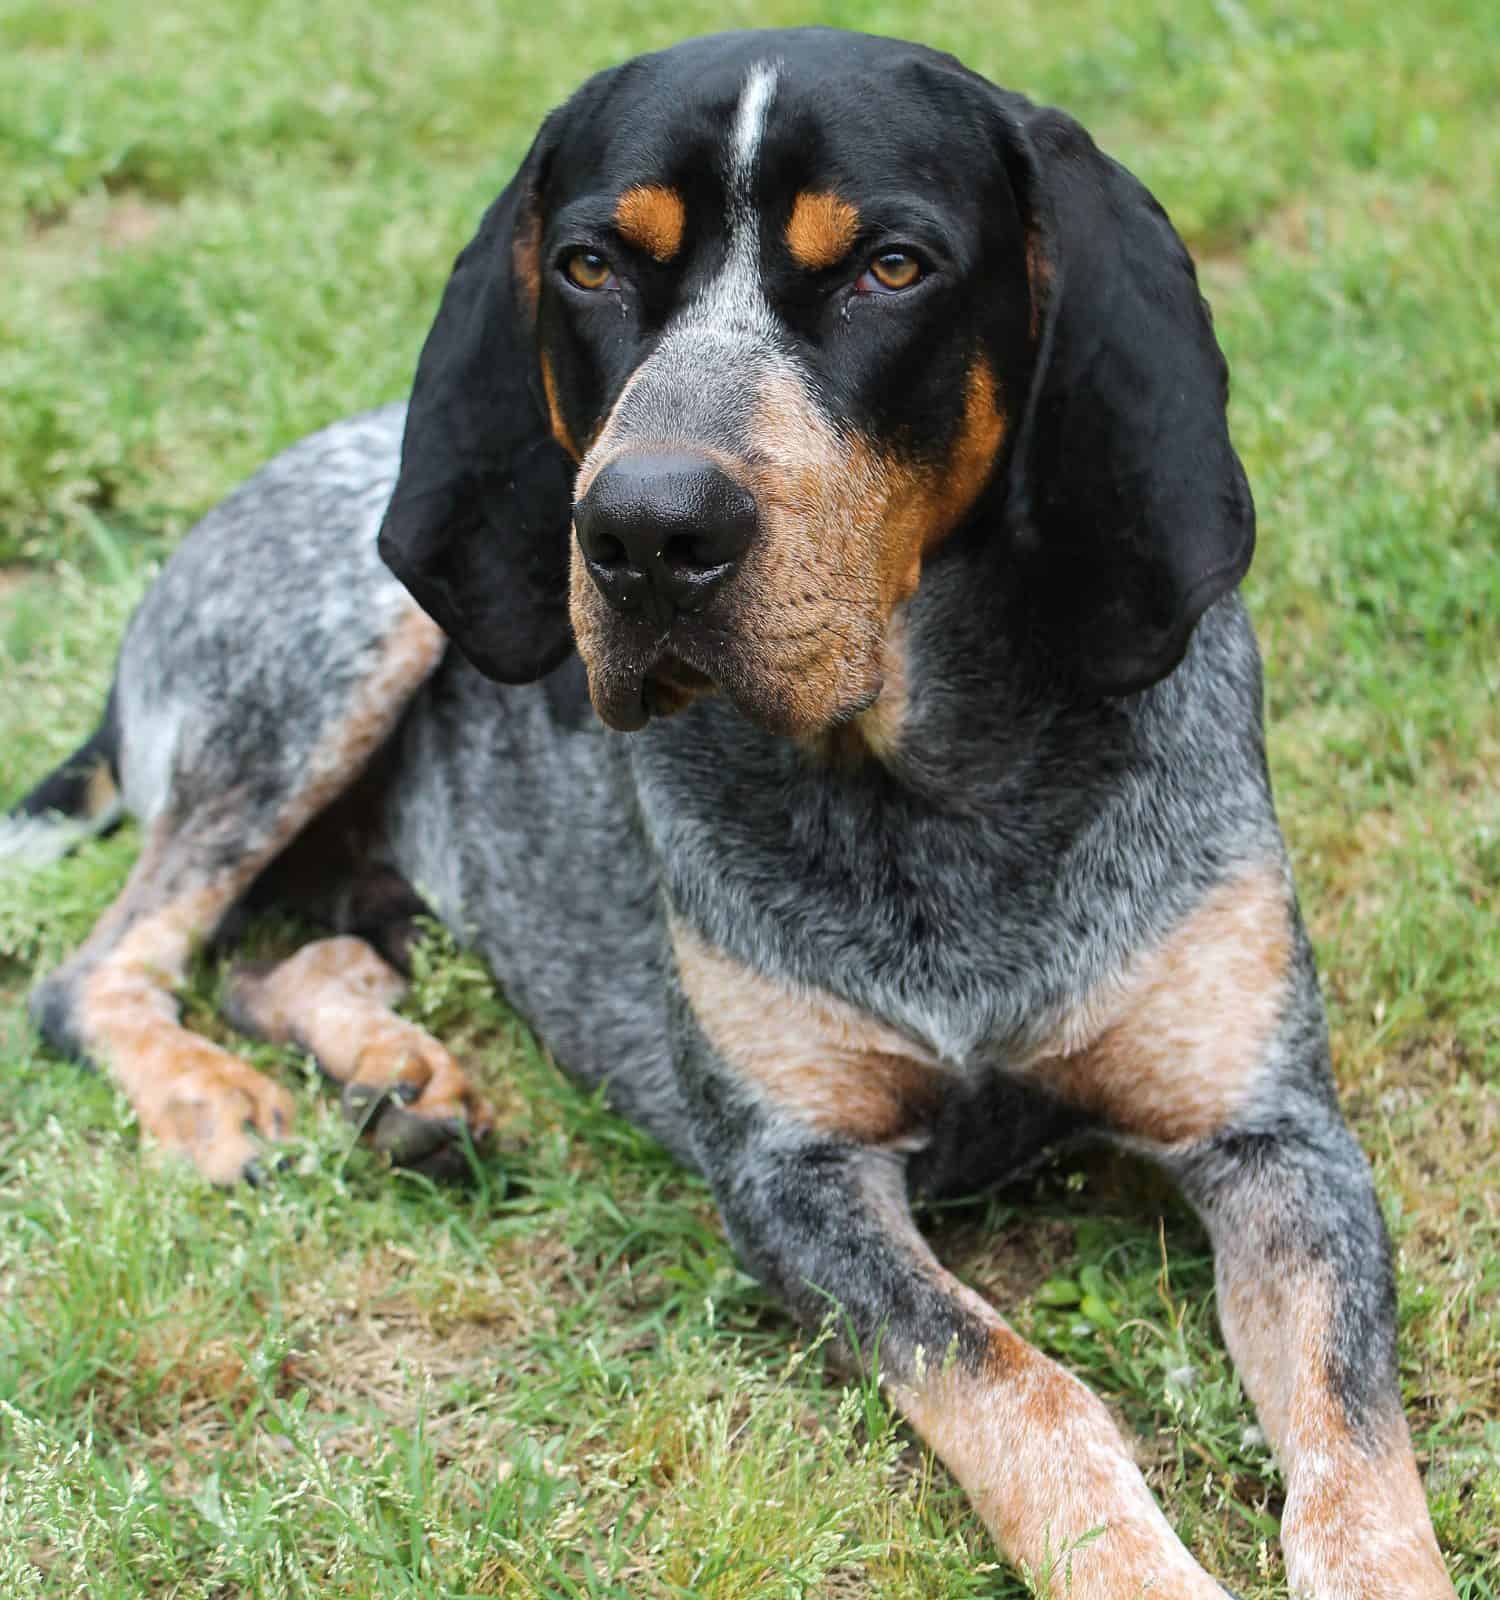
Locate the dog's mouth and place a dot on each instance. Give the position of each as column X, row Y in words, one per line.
column 633, row 681
column 672, row 685
column 798, row 692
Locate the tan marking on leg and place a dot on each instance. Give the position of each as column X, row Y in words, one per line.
column 1045, row 1466
column 559, row 423
column 409, row 654
column 821, row 230
column 334, row 998
column 1035, row 1450
column 196, row 1098
column 1174, row 1050
column 652, row 218
column 1356, row 1525
column 812, row 1056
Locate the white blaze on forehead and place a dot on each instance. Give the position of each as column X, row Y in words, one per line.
column 733, row 306
column 726, row 339
column 749, row 125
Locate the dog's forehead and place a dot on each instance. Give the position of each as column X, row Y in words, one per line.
column 780, row 111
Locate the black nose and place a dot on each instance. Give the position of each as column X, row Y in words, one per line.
column 661, row 531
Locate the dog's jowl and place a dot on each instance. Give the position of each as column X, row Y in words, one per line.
column 791, row 633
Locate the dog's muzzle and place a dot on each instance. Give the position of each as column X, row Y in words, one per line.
column 660, row 532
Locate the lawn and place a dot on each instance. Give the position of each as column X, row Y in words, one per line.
column 222, row 227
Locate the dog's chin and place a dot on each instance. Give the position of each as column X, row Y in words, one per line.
column 627, row 698
column 630, row 688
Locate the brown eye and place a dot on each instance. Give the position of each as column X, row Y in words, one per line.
column 892, row 271
column 588, row 271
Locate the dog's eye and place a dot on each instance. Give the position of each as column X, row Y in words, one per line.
column 890, row 272
column 589, row 271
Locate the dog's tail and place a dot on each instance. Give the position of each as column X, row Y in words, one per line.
column 76, row 801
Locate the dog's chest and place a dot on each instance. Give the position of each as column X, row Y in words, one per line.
column 972, row 935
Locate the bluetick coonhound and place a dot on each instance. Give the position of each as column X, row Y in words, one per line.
column 801, row 654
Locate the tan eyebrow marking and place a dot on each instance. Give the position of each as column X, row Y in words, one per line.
column 821, row 230
column 653, row 219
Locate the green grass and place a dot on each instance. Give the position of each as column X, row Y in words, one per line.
column 224, row 226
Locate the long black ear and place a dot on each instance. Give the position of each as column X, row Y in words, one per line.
column 1129, row 507
column 478, row 525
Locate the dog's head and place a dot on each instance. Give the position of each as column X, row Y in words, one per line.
column 765, row 321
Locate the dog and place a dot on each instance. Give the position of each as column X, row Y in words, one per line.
column 801, row 653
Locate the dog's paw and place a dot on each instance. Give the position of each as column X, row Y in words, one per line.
column 400, row 1085
column 416, row 1103
column 216, row 1111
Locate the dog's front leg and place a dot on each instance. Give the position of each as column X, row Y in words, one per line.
column 826, row 1225
column 802, row 1107
column 1307, row 1303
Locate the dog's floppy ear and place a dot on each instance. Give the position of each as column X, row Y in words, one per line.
column 478, row 525
column 1127, row 503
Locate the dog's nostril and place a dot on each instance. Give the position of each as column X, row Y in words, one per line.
column 663, row 530
column 607, row 550
column 691, row 550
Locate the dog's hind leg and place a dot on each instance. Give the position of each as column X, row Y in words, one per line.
column 231, row 807
column 333, row 998
column 113, row 1005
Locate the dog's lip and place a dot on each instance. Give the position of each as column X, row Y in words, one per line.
column 621, row 702
column 674, row 673
column 647, row 673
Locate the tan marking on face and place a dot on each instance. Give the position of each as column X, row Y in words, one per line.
column 821, row 1061
column 526, row 258
column 673, row 686
column 559, row 424
column 843, row 532
column 1175, row 1049
column 196, row 1098
column 652, row 218
column 880, row 727
column 1039, row 276
column 334, row 999
column 1356, row 1523
column 944, row 496
column 821, row 231
column 875, row 733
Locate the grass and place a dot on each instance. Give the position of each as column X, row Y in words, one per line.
column 224, row 226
